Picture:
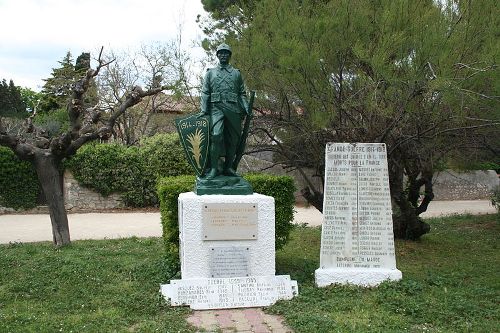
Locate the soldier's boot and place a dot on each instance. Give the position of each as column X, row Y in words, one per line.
column 214, row 158
column 228, row 163
column 212, row 173
column 230, row 172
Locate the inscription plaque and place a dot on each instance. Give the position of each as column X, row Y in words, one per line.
column 357, row 228
column 229, row 221
column 230, row 261
column 223, row 293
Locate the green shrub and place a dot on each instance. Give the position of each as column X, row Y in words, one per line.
column 158, row 156
column 139, row 183
column 130, row 171
column 164, row 156
column 19, row 187
column 489, row 166
column 102, row 167
column 279, row 187
column 169, row 189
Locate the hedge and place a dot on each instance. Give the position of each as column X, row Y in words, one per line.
column 130, row 171
column 19, row 186
column 279, row 187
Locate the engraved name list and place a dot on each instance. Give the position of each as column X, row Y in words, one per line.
column 357, row 227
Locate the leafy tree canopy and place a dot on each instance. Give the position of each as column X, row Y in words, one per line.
column 421, row 77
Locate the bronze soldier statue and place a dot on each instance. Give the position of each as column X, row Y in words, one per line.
column 224, row 100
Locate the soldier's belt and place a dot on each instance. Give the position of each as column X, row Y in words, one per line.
column 223, row 97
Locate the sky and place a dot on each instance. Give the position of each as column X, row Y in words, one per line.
column 36, row 34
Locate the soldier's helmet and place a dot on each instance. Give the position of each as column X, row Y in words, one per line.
column 223, row 46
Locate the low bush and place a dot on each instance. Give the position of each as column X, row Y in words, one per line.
column 487, row 166
column 169, row 189
column 164, row 156
column 19, row 186
column 131, row 171
column 279, row 187
column 102, row 167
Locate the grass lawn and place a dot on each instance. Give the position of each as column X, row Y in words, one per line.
column 90, row 286
column 451, row 283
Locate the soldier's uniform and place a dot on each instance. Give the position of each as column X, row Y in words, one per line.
column 223, row 98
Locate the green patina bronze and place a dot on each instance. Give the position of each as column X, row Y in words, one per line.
column 194, row 132
column 225, row 105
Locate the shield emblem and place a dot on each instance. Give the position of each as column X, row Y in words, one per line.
column 194, row 132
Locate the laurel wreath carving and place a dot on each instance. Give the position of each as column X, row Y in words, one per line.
column 195, row 139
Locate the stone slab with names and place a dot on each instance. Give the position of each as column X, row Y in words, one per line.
column 224, row 293
column 357, row 241
column 229, row 261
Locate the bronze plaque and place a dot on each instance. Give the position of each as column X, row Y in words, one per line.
column 229, row 221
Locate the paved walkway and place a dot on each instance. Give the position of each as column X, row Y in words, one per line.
column 250, row 320
column 36, row 227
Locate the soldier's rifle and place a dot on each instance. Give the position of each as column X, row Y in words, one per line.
column 240, row 150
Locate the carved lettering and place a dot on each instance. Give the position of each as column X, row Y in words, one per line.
column 229, row 221
column 357, row 227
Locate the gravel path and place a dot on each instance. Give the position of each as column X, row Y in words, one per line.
column 36, row 227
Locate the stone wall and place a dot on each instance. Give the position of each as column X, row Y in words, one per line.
column 471, row 185
column 79, row 197
column 448, row 184
column 253, row 164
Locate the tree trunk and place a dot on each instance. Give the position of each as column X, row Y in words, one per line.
column 406, row 221
column 313, row 197
column 48, row 170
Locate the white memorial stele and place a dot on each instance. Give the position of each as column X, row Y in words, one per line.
column 357, row 240
column 227, row 253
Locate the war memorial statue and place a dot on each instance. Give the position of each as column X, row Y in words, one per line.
column 214, row 140
column 226, row 232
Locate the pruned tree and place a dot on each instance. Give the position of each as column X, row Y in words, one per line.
column 152, row 65
column 47, row 153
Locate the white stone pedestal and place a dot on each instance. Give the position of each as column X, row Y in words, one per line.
column 195, row 251
column 227, row 253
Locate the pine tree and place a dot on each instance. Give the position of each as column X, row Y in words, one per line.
column 56, row 89
column 4, row 98
column 11, row 102
column 421, row 77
